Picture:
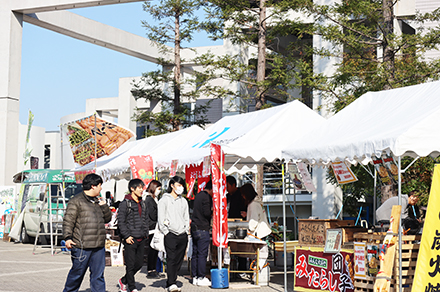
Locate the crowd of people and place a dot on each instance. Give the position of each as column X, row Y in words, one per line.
column 140, row 214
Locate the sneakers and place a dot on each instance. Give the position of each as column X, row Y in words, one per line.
column 173, row 288
column 153, row 275
column 203, row 282
column 194, row 281
column 122, row 286
column 134, row 290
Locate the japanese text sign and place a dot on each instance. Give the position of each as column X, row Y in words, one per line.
column 193, row 173
column 343, row 173
column 427, row 275
column 360, row 269
column 316, row 270
column 220, row 214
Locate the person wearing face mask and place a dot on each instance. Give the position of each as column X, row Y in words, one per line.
column 153, row 191
column 133, row 224
column 173, row 222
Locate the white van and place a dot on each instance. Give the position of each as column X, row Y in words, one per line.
column 36, row 184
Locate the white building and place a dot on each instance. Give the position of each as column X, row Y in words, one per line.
column 52, row 15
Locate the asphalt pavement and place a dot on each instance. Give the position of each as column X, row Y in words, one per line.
column 21, row 270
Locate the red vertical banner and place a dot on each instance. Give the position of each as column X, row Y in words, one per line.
column 220, row 214
column 142, row 167
column 191, row 174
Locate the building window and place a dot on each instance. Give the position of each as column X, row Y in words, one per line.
column 46, row 156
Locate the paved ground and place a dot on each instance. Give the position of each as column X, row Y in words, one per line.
column 21, row 271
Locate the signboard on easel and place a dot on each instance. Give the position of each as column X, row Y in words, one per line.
column 333, row 241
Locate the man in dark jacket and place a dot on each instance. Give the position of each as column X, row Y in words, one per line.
column 200, row 225
column 84, row 233
column 133, row 226
column 235, row 200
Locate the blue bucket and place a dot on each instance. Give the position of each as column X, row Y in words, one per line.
column 219, row 278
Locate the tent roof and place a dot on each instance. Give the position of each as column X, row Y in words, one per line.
column 255, row 135
column 403, row 121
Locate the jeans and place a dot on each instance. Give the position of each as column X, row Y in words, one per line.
column 175, row 246
column 134, row 260
column 94, row 259
column 201, row 240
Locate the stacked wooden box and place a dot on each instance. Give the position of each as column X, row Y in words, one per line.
column 410, row 250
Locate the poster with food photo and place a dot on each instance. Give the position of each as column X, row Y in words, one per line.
column 391, row 167
column 382, row 172
column 81, row 136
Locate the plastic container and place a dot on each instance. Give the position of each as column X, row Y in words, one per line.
column 219, row 278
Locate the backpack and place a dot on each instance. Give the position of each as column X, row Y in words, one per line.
column 118, row 231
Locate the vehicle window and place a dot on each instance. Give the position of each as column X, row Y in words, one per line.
column 72, row 189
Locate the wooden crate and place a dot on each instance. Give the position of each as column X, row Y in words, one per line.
column 312, row 232
column 410, row 250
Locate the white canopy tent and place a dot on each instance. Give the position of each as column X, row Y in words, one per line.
column 255, row 137
column 402, row 122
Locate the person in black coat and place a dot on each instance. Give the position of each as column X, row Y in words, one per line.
column 153, row 191
column 133, row 224
column 235, row 200
column 200, row 225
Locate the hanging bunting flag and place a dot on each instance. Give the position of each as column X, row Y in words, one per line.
column 173, row 169
column 142, row 167
column 343, row 173
column 295, row 177
column 306, row 177
column 206, row 166
column 382, row 171
column 193, row 173
column 220, row 214
column 81, row 136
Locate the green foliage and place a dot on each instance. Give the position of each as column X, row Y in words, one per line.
column 418, row 177
column 370, row 56
column 238, row 22
column 176, row 23
column 354, row 193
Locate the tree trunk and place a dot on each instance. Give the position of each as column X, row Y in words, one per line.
column 388, row 51
column 261, row 65
column 177, row 70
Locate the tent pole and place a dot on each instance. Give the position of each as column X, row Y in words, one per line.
column 374, row 196
column 295, row 223
column 284, row 230
column 400, row 220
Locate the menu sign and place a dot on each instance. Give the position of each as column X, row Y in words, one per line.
column 333, row 241
column 360, row 271
column 311, row 232
column 343, row 173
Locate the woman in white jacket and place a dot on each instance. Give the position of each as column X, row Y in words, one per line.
column 255, row 215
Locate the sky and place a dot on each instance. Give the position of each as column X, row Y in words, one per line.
column 59, row 73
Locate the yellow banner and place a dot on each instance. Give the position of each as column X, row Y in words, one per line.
column 427, row 276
